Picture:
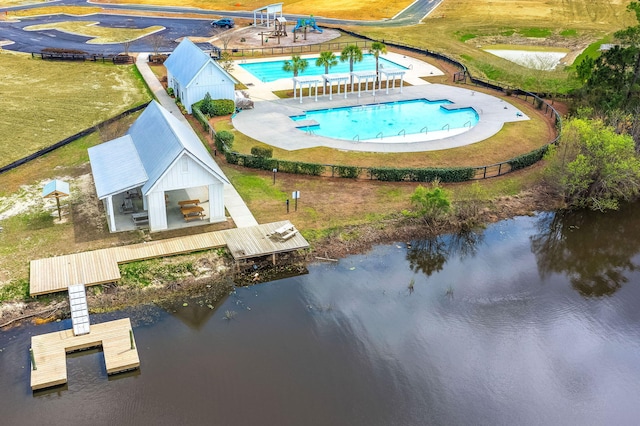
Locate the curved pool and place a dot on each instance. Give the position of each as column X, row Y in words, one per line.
column 399, row 121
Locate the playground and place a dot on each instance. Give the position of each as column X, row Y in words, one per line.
column 277, row 34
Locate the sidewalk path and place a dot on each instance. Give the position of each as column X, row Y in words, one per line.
column 234, row 204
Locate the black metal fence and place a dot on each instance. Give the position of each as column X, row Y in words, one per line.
column 70, row 139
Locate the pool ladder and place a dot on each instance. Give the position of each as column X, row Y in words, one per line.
column 447, row 126
column 403, row 132
column 425, row 129
column 380, row 135
column 356, row 138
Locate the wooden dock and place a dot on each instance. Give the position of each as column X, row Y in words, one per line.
column 49, row 351
column 55, row 274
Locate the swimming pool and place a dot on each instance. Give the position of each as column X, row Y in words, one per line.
column 398, row 121
column 272, row 70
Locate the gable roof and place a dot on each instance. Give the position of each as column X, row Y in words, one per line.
column 188, row 60
column 153, row 143
column 116, row 166
column 160, row 139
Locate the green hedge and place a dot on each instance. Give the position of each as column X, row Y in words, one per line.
column 222, row 107
column 262, row 151
column 224, row 140
column 446, row 174
column 350, row 172
column 526, row 160
column 197, row 113
column 253, row 162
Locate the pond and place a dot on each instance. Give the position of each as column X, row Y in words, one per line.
column 533, row 321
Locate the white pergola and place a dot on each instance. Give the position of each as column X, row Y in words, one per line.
column 393, row 73
column 339, row 78
column 270, row 10
column 308, row 81
column 366, row 75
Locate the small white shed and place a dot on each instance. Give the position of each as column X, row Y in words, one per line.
column 191, row 73
column 158, row 154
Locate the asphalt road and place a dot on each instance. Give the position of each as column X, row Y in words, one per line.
column 35, row 41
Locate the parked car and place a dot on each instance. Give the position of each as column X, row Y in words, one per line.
column 223, row 23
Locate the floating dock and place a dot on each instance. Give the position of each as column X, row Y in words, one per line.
column 49, row 351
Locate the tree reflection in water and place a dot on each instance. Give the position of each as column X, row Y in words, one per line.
column 430, row 255
column 594, row 250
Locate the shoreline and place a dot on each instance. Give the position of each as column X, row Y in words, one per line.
column 216, row 276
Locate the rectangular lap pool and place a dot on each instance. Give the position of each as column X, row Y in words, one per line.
column 389, row 120
column 272, row 70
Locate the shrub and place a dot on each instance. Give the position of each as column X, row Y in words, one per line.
column 262, row 151
column 350, row 172
column 197, row 113
column 170, row 91
column 525, row 160
column 224, row 140
column 222, row 107
column 206, row 104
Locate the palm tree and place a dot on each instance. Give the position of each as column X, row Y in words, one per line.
column 352, row 53
column 376, row 49
column 327, row 60
column 296, row 65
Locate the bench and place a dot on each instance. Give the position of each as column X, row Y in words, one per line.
column 141, row 218
column 188, row 203
column 127, row 206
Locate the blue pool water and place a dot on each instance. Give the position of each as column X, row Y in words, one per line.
column 272, row 70
column 379, row 121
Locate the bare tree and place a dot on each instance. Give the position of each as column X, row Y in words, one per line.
column 126, row 45
column 225, row 39
column 156, row 41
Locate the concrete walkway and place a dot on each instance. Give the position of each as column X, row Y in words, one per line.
column 234, row 204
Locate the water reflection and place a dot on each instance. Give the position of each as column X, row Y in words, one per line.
column 595, row 251
column 429, row 256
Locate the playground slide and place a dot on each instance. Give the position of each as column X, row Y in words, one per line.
column 307, row 23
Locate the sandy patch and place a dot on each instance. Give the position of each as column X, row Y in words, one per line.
column 29, row 199
column 542, row 61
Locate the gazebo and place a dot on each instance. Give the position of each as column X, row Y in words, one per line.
column 393, row 73
column 308, row 81
column 339, row 78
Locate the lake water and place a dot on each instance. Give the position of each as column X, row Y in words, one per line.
column 535, row 321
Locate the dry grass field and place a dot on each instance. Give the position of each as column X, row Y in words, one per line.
column 460, row 28
column 47, row 101
column 350, row 9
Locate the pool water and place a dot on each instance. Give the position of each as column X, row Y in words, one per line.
column 396, row 120
column 272, row 70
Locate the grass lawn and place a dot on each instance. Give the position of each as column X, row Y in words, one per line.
column 353, row 9
column 100, row 34
column 461, row 28
column 47, row 101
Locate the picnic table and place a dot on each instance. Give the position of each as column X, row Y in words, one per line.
column 186, row 203
column 192, row 212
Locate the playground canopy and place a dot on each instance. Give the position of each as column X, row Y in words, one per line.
column 271, row 11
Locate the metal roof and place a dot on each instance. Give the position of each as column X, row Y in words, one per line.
column 160, row 138
column 56, row 188
column 141, row 157
column 116, row 166
column 188, row 60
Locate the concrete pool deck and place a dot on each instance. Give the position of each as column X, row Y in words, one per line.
column 269, row 120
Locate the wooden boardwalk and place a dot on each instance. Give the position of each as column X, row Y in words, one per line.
column 55, row 274
column 49, row 351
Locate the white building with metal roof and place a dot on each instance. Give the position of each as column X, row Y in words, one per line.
column 159, row 159
column 191, row 73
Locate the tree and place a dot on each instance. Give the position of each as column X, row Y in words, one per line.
column 327, row 60
column 226, row 61
column 156, row 40
column 351, row 53
column 296, row 65
column 593, row 166
column 376, row 49
column 431, row 204
column 631, row 37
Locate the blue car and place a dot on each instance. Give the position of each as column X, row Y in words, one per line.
column 223, row 23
